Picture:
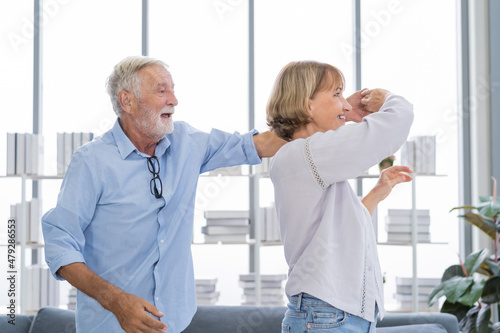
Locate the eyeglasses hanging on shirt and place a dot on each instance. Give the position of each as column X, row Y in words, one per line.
column 155, row 184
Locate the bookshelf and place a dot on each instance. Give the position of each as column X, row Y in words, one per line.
column 22, row 223
column 256, row 215
column 413, row 242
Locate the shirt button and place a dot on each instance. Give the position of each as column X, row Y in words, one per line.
column 156, row 298
column 161, row 241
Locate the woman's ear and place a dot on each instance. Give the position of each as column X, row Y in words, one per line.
column 310, row 107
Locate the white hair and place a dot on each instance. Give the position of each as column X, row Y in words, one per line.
column 125, row 77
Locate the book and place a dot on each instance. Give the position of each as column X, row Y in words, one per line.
column 44, row 286
column 68, row 150
column 407, row 237
column 227, row 222
column 263, row 284
column 406, row 228
column 263, row 277
column 263, row 291
column 239, row 239
column 212, row 294
column 225, row 230
column 205, row 288
column 11, row 154
column 205, row 281
column 37, row 153
column 76, row 141
column 227, row 214
column 60, row 153
column 20, row 153
column 408, row 212
column 34, row 221
column 419, row 153
column 407, row 289
column 420, row 281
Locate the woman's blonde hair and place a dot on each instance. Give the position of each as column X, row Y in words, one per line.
column 296, row 84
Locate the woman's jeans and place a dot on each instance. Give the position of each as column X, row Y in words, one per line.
column 309, row 314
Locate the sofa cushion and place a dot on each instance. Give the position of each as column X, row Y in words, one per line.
column 244, row 319
column 22, row 323
column 448, row 321
column 423, row 328
column 50, row 320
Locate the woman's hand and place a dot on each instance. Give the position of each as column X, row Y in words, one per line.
column 365, row 102
column 389, row 178
column 358, row 111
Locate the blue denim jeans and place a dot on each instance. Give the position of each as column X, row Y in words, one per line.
column 308, row 314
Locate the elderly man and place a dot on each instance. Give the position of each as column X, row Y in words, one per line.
column 121, row 230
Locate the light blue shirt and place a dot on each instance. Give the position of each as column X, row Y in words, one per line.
column 107, row 218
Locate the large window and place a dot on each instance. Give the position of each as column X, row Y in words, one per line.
column 407, row 47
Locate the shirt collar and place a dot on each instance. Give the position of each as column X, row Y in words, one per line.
column 126, row 147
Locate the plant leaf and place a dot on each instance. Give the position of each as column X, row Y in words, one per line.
column 462, row 207
column 455, row 287
column 474, row 261
column 495, row 328
column 456, row 309
column 472, row 294
column 435, row 294
column 487, row 227
column 488, row 207
column 483, row 198
column 493, row 266
column 468, row 322
column 453, row 270
column 483, row 319
column 491, row 290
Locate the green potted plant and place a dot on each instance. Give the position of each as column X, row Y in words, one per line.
column 472, row 288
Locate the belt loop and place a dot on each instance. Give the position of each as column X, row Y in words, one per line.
column 299, row 302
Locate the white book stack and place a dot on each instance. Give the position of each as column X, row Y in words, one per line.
column 206, row 293
column 226, row 226
column 404, row 296
column 271, row 289
column 24, row 154
column 72, row 299
column 419, row 153
column 270, row 230
column 399, row 227
column 33, row 216
column 43, row 288
column 67, row 144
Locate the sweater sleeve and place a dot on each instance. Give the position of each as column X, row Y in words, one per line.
column 348, row 151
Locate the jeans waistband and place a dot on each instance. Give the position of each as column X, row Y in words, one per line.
column 307, row 299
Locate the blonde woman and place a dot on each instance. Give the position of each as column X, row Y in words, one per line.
column 334, row 278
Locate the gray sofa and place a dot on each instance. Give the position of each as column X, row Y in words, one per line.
column 233, row 319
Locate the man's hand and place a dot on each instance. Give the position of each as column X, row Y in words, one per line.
column 389, row 178
column 358, row 111
column 365, row 102
column 130, row 310
column 267, row 144
column 374, row 99
column 132, row 314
